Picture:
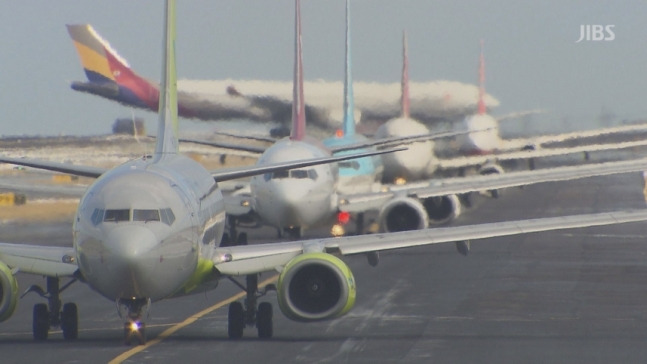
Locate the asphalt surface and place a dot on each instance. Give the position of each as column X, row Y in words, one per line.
column 573, row 296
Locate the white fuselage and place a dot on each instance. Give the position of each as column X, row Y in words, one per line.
column 298, row 198
column 483, row 137
column 141, row 229
column 417, row 161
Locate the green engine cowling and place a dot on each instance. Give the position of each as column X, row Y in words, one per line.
column 316, row 286
column 8, row 292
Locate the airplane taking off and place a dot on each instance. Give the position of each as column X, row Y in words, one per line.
column 148, row 230
column 109, row 75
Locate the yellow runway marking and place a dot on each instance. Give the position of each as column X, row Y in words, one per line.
column 171, row 330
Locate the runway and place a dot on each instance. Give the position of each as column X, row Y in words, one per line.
column 573, row 296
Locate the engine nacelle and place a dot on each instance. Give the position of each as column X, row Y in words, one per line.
column 442, row 209
column 406, row 213
column 402, row 214
column 316, row 286
column 8, row 292
column 490, row 168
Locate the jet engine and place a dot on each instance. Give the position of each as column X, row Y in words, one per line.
column 8, row 292
column 407, row 213
column 490, row 168
column 316, row 286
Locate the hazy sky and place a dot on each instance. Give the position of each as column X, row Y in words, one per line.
column 532, row 58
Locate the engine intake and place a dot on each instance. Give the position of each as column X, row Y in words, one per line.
column 406, row 213
column 316, row 286
column 8, row 292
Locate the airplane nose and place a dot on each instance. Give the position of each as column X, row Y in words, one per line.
column 130, row 242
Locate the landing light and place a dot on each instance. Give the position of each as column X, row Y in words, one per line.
column 134, row 326
column 245, row 203
column 400, row 181
column 337, row 230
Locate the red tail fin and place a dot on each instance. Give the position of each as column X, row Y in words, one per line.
column 298, row 105
column 481, row 105
column 404, row 98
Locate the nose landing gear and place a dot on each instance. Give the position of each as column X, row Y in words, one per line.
column 133, row 311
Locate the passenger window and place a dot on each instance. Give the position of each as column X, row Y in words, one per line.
column 146, row 215
column 117, row 215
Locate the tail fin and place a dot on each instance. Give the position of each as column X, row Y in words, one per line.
column 109, row 75
column 349, row 103
column 167, row 132
column 481, row 103
column 404, row 98
column 298, row 104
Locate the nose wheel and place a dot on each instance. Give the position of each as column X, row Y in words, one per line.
column 133, row 311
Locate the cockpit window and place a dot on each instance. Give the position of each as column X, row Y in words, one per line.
column 164, row 215
column 312, row 174
column 146, row 215
column 299, row 174
column 117, row 215
column 349, row 164
column 167, row 216
column 97, row 216
column 295, row 173
column 280, row 174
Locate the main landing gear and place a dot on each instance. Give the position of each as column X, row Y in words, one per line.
column 252, row 314
column 133, row 312
column 48, row 315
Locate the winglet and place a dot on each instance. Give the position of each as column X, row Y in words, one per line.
column 404, row 100
column 481, row 104
column 349, row 103
column 298, row 104
column 167, row 133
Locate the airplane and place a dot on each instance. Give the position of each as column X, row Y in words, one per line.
column 110, row 76
column 149, row 218
column 285, row 201
column 148, row 230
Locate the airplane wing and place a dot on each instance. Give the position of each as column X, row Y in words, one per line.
column 66, row 190
column 460, row 185
column 515, row 144
column 45, row 260
column 468, row 161
column 397, row 140
column 240, row 147
column 77, row 170
column 226, row 174
column 240, row 260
